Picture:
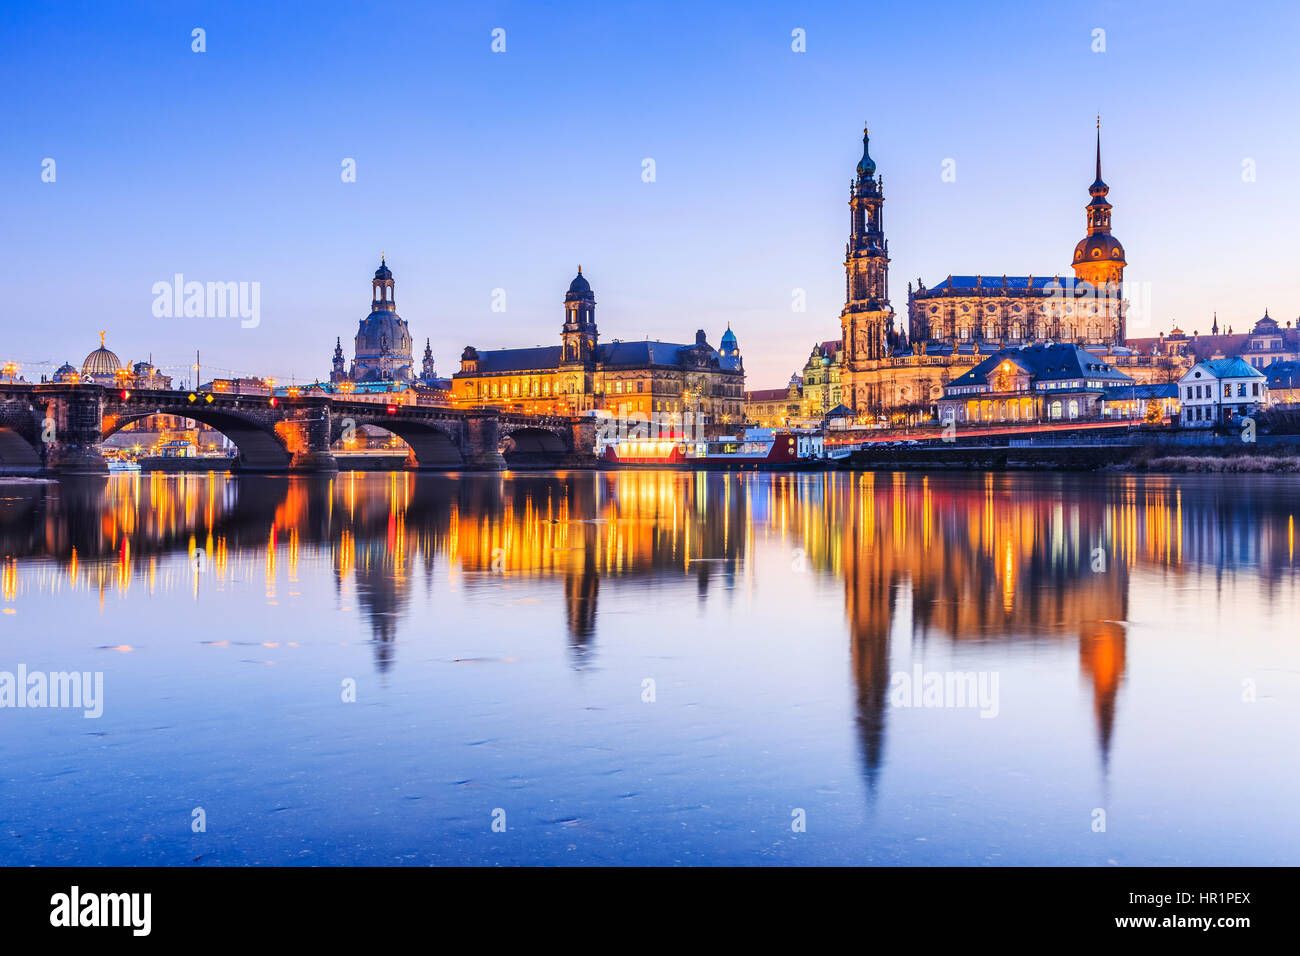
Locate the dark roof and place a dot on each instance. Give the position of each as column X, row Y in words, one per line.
column 1126, row 392
column 1280, row 375
column 767, row 395
column 1023, row 284
column 639, row 353
column 610, row 354
column 1046, row 363
column 520, row 360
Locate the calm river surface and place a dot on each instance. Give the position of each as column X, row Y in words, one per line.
column 654, row 667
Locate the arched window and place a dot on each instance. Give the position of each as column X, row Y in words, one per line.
column 1056, row 409
column 1074, row 408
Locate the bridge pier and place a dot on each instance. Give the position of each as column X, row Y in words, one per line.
column 70, row 433
column 481, row 448
column 306, row 436
column 583, row 442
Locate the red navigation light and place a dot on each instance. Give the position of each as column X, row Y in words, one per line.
column 392, row 409
column 125, row 394
column 273, row 401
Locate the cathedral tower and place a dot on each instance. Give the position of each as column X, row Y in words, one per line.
column 1099, row 258
column 867, row 320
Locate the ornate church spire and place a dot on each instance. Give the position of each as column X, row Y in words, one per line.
column 339, row 371
column 1099, row 262
column 427, row 371
column 867, row 319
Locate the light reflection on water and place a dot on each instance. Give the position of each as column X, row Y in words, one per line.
column 501, row 631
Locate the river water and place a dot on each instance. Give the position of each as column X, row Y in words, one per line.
column 652, row 667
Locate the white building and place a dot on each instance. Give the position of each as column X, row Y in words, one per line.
column 1221, row 392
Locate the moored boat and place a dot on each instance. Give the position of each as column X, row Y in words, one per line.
column 755, row 449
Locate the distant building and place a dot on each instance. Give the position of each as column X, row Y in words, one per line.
column 1283, row 383
column 237, row 386
column 822, row 379
column 1221, row 392
column 1148, row 403
column 1039, row 383
column 1267, row 342
column 102, row 366
column 771, row 407
column 623, row 377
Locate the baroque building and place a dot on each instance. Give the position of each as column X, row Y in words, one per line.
column 382, row 347
column 987, row 312
column 1053, row 382
column 583, row 374
column 382, row 350
column 886, row 373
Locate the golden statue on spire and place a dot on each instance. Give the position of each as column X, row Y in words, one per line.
column 103, row 332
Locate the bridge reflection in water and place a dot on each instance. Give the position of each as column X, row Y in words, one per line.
column 1023, row 561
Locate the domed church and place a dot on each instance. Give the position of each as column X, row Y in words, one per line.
column 101, row 366
column 383, row 343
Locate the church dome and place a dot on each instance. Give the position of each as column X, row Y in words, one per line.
column 101, row 364
column 579, row 285
column 729, row 343
column 1099, row 248
column 383, row 272
column 67, row 372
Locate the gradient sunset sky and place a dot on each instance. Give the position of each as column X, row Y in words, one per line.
column 479, row 170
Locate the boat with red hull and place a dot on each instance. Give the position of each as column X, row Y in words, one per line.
column 756, row 449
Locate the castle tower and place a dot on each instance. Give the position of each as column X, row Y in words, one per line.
column 867, row 320
column 1099, row 259
column 579, row 332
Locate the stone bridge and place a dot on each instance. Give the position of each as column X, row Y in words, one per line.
column 58, row 429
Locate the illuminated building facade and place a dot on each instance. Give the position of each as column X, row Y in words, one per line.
column 886, row 373
column 583, row 374
column 1038, row 383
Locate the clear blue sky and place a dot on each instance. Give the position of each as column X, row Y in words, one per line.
column 478, row 171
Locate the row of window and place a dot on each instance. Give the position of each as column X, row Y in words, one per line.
column 544, row 389
column 1205, row 413
column 1227, row 390
column 1014, row 411
column 1017, row 332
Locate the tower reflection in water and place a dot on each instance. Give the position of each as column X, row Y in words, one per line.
column 1018, row 559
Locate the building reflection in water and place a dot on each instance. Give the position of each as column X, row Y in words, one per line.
column 958, row 558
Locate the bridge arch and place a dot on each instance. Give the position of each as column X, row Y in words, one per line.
column 535, row 446
column 18, row 450
column 260, row 447
column 20, row 433
column 434, row 445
